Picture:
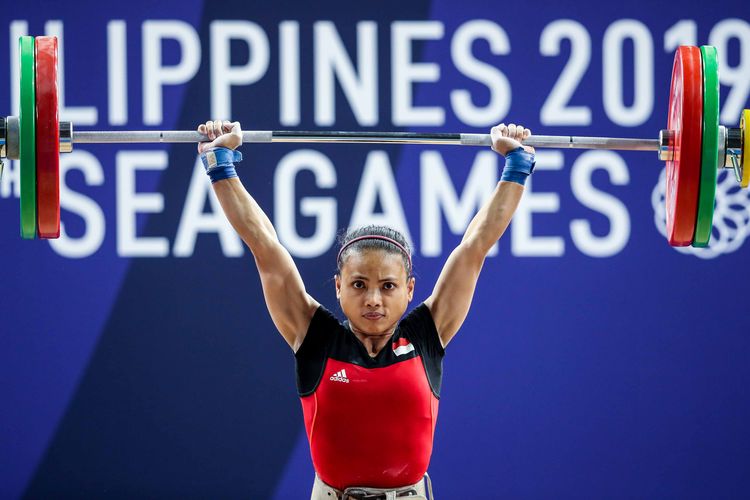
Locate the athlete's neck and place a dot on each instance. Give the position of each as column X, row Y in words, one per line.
column 373, row 342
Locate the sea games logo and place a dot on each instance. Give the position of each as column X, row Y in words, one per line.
column 731, row 216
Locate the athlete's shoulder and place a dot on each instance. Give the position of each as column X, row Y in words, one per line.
column 324, row 317
column 419, row 327
column 419, row 318
column 324, row 326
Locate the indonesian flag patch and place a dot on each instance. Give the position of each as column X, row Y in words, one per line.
column 401, row 347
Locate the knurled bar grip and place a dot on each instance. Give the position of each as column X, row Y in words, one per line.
column 268, row 136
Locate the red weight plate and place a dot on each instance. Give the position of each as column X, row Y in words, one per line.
column 47, row 138
column 686, row 121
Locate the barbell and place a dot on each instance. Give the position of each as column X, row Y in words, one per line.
column 693, row 145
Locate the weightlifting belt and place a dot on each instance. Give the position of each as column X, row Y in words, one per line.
column 414, row 491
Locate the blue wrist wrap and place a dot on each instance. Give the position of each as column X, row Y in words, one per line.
column 519, row 164
column 219, row 163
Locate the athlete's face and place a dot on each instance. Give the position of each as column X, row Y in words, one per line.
column 374, row 290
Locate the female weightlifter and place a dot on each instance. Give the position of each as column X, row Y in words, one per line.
column 381, row 368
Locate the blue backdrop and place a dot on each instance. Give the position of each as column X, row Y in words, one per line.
column 136, row 355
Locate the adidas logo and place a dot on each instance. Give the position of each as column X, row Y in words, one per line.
column 340, row 376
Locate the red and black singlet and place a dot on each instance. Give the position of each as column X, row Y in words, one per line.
column 370, row 421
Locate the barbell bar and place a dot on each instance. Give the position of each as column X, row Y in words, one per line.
column 732, row 142
column 286, row 136
column 693, row 144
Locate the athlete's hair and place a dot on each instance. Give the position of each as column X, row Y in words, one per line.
column 374, row 237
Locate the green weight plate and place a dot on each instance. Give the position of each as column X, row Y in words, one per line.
column 27, row 139
column 709, row 149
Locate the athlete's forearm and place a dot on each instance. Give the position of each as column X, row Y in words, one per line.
column 493, row 218
column 489, row 224
column 245, row 215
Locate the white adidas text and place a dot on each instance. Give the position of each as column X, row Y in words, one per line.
column 340, row 376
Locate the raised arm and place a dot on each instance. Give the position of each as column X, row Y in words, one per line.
column 290, row 306
column 451, row 297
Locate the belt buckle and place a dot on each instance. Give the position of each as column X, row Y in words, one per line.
column 358, row 494
column 411, row 492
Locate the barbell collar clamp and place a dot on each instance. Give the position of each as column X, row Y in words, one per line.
column 723, row 157
column 13, row 137
column 733, row 145
column 3, row 137
column 666, row 145
column 66, row 137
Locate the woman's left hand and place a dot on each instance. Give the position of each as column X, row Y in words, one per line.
column 506, row 138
